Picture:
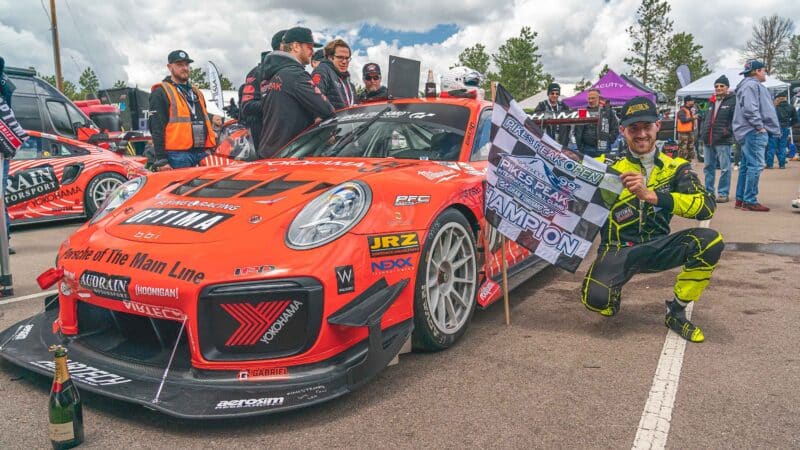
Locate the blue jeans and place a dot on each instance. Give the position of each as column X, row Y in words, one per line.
column 6, row 168
column 778, row 144
column 718, row 155
column 185, row 158
column 753, row 147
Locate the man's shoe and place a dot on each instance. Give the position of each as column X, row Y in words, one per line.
column 723, row 199
column 11, row 251
column 676, row 321
column 796, row 203
column 756, row 207
column 739, row 204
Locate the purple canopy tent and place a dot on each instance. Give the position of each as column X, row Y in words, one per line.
column 612, row 87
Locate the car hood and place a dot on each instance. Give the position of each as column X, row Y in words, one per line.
column 219, row 203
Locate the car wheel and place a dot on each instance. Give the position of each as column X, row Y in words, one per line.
column 447, row 280
column 99, row 189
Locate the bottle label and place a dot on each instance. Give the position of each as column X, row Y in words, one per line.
column 62, row 432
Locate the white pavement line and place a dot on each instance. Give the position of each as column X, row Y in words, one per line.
column 654, row 423
column 26, row 297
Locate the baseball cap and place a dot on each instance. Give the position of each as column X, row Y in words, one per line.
column 371, row 68
column 780, row 94
column 638, row 109
column 276, row 39
column 319, row 55
column 688, row 98
column 300, row 34
column 751, row 65
column 178, row 55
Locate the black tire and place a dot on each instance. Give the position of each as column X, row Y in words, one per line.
column 431, row 333
column 98, row 189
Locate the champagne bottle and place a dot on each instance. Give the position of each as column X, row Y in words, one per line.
column 65, row 410
column 430, row 85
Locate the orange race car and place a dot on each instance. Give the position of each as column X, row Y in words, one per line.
column 261, row 287
column 53, row 177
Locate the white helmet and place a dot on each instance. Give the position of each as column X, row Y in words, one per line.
column 461, row 77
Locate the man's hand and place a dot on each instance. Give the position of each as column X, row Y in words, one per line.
column 635, row 183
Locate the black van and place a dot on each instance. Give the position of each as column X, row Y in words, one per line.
column 39, row 106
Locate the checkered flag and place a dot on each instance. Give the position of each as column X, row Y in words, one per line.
column 546, row 198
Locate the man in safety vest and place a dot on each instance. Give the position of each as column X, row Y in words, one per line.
column 179, row 124
column 685, row 126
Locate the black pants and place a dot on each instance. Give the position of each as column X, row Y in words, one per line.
column 696, row 249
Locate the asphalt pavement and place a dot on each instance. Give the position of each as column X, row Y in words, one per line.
column 558, row 377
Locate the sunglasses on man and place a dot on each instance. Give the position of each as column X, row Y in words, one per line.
column 372, row 78
column 720, row 86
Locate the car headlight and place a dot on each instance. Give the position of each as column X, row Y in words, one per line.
column 118, row 197
column 329, row 216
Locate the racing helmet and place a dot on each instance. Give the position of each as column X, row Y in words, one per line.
column 461, row 77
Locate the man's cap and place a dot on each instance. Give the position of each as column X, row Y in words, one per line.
column 722, row 80
column 688, row 99
column 553, row 87
column 319, row 55
column 751, row 65
column 371, row 68
column 178, row 55
column 276, row 39
column 300, row 34
column 780, row 94
column 638, row 109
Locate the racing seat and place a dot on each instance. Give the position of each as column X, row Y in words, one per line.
column 446, row 146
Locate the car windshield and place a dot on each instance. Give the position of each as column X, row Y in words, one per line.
column 401, row 130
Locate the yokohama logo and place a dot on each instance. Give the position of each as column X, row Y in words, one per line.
column 258, row 321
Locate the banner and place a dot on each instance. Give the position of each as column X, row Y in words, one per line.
column 684, row 75
column 215, row 86
column 11, row 133
column 549, row 200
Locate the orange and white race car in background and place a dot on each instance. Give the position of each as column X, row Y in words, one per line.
column 266, row 286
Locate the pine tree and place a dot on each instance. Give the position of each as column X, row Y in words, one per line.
column 225, row 83
column 88, row 82
column 197, row 78
column 603, row 71
column 120, row 84
column 681, row 49
column 476, row 58
column 649, row 35
column 519, row 69
column 788, row 67
column 582, row 85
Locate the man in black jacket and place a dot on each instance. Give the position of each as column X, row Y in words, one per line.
column 250, row 94
column 716, row 132
column 596, row 139
column 553, row 105
column 373, row 90
column 332, row 77
column 291, row 101
column 787, row 117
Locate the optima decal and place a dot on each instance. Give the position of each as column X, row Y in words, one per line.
column 31, row 183
column 104, row 285
column 393, row 244
column 185, row 219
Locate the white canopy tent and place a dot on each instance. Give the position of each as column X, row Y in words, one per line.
column 704, row 87
column 567, row 90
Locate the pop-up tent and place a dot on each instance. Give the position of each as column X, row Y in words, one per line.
column 704, row 87
column 612, row 87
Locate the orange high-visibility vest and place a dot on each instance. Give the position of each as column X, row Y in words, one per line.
column 178, row 134
column 685, row 127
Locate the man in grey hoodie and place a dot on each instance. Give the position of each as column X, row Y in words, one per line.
column 753, row 119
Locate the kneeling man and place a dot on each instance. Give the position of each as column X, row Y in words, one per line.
column 636, row 238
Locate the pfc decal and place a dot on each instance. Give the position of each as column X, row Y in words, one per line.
column 104, row 285
column 185, row 219
column 250, row 403
column 22, row 332
column 411, row 200
column 85, row 374
column 393, row 244
column 30, row 183
column 259, row 322
column 53, row 196
column 263, row 374
column 388, row 265
column 345, row 279
column 243, row 271
column 160, row 312
column 150, row 291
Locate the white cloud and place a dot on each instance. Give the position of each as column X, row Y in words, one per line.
column 130, row 40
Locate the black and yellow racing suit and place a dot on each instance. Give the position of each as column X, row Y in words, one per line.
column 636, row 238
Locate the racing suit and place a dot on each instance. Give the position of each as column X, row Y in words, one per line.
column 636, row 238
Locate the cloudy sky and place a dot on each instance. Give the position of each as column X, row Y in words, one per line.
column 129, row 40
